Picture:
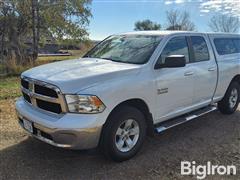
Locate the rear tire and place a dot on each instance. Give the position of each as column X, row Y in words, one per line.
column 123, row 134
column 230, row 101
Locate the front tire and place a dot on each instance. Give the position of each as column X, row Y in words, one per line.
column 229, row 103
column 123, row 133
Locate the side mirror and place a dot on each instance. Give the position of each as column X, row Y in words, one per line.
column 173, row 61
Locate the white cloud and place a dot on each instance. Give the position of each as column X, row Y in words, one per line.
column 168, row 2
column 229, row 7
column 204, row 10
column 179, row 1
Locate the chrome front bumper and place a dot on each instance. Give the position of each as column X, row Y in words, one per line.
column 72, row 139
column 57, row 133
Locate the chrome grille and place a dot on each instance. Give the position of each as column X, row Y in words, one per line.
column 43, row 95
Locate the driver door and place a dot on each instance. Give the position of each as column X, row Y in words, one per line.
column 174, row 85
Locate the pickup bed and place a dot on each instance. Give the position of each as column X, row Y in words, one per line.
column 130, row 85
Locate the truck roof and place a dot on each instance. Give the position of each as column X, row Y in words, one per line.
column 164, row 33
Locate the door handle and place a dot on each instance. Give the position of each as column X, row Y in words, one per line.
column 211, row 69
column 189, row 73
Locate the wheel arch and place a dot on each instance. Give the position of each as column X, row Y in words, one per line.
column 236, row 78
column 140, row 105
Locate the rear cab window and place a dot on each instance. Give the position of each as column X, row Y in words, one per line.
column 236, row 42
column 225, row 46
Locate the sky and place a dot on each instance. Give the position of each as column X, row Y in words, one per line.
column 116, row 16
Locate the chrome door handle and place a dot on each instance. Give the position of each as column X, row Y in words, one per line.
column 188, row 73
column 211, row 69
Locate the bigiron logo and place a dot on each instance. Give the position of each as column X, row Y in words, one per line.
column 202, row 171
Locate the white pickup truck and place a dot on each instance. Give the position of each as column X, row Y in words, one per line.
column 130, row 85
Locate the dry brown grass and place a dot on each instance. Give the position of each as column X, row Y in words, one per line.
column 12, row 68
column 10, row 130
column 9, row 87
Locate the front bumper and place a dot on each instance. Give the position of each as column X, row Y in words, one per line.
column 74, row 131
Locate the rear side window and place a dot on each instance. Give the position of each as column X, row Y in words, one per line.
column 176, row 46
column 225, row 46
column 237, row 44
column 200, row 48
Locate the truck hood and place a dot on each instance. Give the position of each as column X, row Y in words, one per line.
column 72, row 76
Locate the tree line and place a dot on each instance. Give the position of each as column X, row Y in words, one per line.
column 37, row 20
column 177, row 20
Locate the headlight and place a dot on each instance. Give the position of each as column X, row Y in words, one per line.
column 84, row 104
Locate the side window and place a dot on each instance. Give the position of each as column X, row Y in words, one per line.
column 225, row 46
column 237, row 44
column 176, row 46
column 200, row 48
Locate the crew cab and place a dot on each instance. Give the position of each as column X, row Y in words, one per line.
column 128, row 86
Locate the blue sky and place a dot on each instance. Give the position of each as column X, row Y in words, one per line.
column 115, row 16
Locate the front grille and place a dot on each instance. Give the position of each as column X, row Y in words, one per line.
column 45, row 91
column 24, row 83
column 43, row 96
column 26, row 97
column 49, row 106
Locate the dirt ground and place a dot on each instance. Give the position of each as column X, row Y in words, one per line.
column 213, row 137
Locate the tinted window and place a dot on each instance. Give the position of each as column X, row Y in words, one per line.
column 237, row 44
column 135, row 49
column 200, row 48
column 176, row 46
column 225, row 46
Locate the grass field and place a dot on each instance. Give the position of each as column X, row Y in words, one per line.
column 9, row 88
column 12, row 69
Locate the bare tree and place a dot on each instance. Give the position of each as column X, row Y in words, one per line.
column 224, row 23
column 177, row 20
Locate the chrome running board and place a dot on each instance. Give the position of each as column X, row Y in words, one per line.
column 183, row 119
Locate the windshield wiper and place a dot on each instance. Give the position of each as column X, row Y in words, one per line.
column 125, row 62
column 113, row 60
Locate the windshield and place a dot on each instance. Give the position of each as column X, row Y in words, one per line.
column 135, row 49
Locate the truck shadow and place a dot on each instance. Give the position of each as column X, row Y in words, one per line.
column 213, row 137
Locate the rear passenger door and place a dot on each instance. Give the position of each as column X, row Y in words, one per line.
column 205, row 69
